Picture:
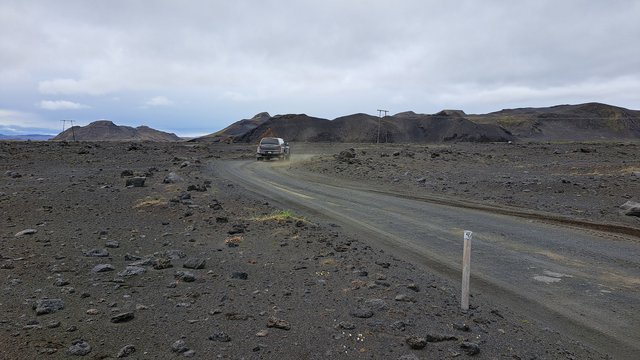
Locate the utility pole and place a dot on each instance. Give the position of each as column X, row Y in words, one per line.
column 72, row 129
column 379, row 121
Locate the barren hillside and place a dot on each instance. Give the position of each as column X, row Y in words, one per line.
column 105, row 130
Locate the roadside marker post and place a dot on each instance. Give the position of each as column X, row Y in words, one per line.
column 466, row 269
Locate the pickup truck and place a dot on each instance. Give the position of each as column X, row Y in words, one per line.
column 272, row 147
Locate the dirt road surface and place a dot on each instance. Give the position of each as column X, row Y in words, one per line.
column 582, row 282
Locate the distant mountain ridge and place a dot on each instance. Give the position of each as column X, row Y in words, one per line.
column 589, row 121
column 105, row 130
column 237, row 129
column 583, row 122
column 34, row 137
column 403, row 127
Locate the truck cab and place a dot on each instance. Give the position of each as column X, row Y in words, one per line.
column 273, row 148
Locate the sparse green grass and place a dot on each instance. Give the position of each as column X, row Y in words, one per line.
column 630, row 169
column 281, row 215
column 511, row 121
column 150, row 201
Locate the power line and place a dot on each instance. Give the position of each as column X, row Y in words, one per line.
column 379, row 121
column 73, row 131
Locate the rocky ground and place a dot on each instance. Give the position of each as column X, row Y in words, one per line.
column 589, row 181
column 140, row 250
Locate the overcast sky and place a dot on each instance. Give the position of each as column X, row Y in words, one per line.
column 193, row 67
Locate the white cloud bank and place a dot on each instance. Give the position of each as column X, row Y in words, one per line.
column 159, row 101
column 16, row 122
column 62, row 105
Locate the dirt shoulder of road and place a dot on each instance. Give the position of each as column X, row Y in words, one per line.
column 140, row 250
column 582, row 183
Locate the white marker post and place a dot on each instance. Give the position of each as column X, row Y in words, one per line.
column 466, row 269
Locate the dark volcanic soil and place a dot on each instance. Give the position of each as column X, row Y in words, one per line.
column 199, row 268
column 587, row 181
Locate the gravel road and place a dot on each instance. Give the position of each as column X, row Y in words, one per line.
column 581, row 281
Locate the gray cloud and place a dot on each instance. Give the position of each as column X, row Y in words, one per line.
column 329, row 58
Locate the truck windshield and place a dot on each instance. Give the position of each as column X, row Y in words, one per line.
column 269, row 141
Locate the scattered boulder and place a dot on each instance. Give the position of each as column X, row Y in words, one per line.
column 53, row 324
column 274, row 322
column 400, row 325
column 175, row 254
column 26, row 232
column 130, row 257
column 631, row 208
column 13, row 174
column 48, row 306
column 362, row 313
column 404, row 298
column 237, row 229
column 347, row 154
column 461, row 327
column 126, row 351
column 179, row 347
column 470, row 348
column 189, row 353
column 194, row 263
column 113, row 244
column 79, row 348
column 346, row 325
column 215, row 205
column 123, row 317
column 413, row 287
column 137, row 181
column 60, row 282
column 171, row 178
column 220, row 336
column 197, row 187
column 440, row 338
column 97, row 253
column 239, row 275
column 416, row 342
column 376, row 304
column 102, row 268
column 131, row 271
column 233, row 241
column 149, row 261
column 185, row 276
column 162, row 263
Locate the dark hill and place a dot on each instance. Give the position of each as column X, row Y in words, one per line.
column 293, row 127
column 584, row 122
column 447, row 126
column 590, row 121
column 405, row 127
column 238, row 128
column 104, row 130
